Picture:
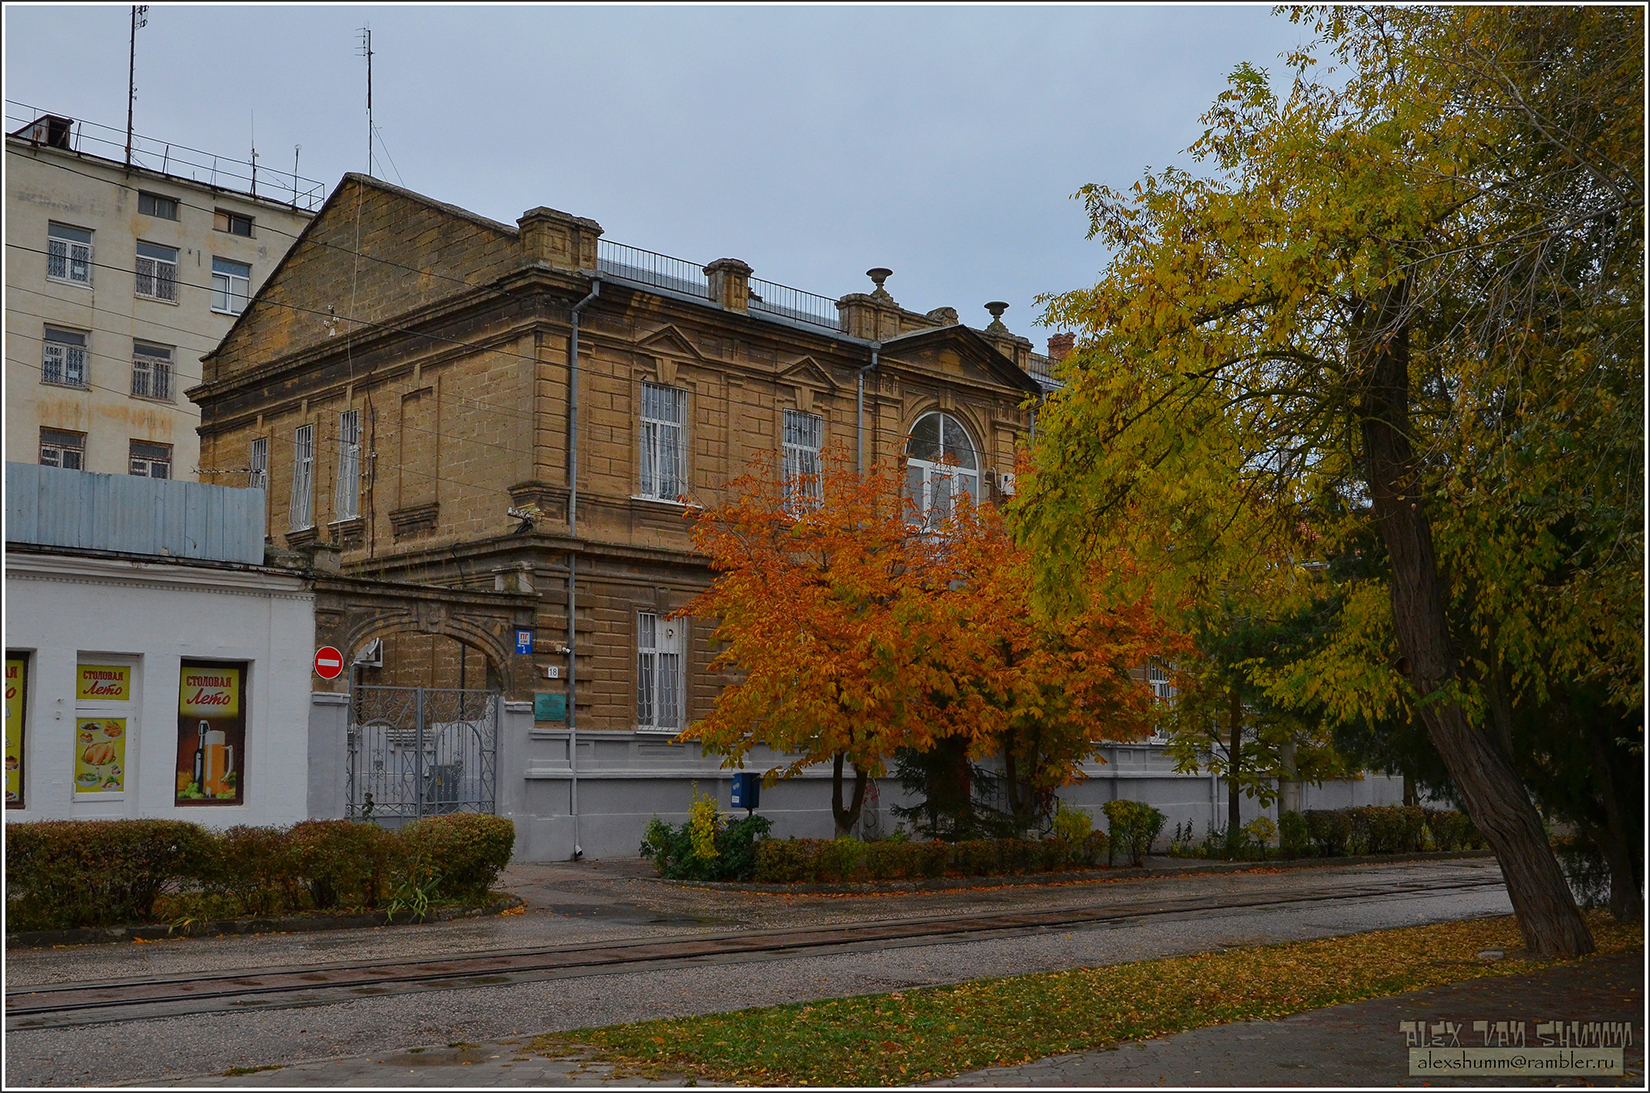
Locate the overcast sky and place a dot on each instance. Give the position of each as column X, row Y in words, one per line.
column 814, row 143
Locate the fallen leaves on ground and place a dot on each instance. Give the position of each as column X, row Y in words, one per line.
column 922, row 1034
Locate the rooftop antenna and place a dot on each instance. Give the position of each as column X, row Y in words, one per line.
column 296, row 148
column 254, row 125
column 366, row 51
column 140, row 18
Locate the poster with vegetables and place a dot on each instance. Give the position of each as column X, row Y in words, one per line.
column 100, row 755
column 17, row 679
column 211, row 766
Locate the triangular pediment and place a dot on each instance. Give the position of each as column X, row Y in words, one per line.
column 667, row 340
column 959, row 350
column 808, row 370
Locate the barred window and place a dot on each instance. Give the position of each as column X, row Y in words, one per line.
column 61, row 448
column 664, row 448
column 151, row 371
column 231, row 286
column 149, row 460
column 68, row 254
column 303, row 478
column 346, row 492
column 803, row 435
column 659, row 672
column 63, row 358
column 157, row 272
column 257, row 476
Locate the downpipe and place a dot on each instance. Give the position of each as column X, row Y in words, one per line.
column 573, row 561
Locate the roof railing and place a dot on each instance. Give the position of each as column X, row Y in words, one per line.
column 794, row 303
column 182, row 161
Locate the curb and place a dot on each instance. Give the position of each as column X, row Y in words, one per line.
column 1098, row 874
column 92, row 935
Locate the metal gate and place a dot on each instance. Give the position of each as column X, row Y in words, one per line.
column 417, row 751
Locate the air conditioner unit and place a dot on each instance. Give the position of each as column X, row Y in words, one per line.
column 371, row 654
column 1005, row 484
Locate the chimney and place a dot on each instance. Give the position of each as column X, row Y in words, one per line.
column 559, row 240
column 1059, row 345
column 730, row 283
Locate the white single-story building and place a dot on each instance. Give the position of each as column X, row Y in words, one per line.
column 155, row 667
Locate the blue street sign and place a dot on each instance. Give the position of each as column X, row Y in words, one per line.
column 524, row 641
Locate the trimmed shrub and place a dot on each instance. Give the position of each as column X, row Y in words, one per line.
column 1134, row 827
column 1293, row 837
column 1330, row 829
column 1016, row 856
column 463, row 853
column 975, row 857
column 1452, row 830
column 936, row 855
column 1390, row 829
column 62, row 874
column 1054, row 854
column 778, row 861
column 736, row 848
column 344, row 864
column 1072, row 824
column 1094, row 849
column 836, row 859
column 255, row 868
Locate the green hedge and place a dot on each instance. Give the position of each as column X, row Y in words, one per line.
column 829, row 861
column 1378, row 829
column 68, row 874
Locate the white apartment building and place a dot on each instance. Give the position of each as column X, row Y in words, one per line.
column 118, row 279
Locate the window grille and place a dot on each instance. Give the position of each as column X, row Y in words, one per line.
column 803, row 436
column 659, row 672
column 166, row 208
column 68, row 254
column 303, row 470
column 63, row 358
column 233, row 223
column 151, row 371
column 258, row 465
column 941, row 465
column 150, row 460
column 664, row 451
column 60, row 448
column 231, row 286
column 157, row 272
column 346, row 492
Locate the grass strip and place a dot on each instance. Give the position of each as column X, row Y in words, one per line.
column 936, row 1032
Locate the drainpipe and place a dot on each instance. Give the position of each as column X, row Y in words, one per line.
column 573, row 559
column 859, row 464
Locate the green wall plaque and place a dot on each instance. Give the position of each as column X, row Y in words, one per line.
column 550, row 707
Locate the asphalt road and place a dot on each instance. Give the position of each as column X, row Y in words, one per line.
column 581, row 905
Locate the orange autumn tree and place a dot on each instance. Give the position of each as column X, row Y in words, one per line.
column 855, row 631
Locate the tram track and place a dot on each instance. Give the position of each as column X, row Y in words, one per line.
column 73, row 1004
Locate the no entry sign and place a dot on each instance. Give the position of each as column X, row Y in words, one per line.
column 329, row 662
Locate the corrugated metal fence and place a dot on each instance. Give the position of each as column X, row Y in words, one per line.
column 48, row 506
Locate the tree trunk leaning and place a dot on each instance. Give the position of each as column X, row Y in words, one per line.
column 1547, row 914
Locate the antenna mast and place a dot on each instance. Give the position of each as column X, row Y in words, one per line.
column 140, row 13
column 366, row 51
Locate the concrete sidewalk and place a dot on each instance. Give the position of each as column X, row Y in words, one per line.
column 1355, row 1045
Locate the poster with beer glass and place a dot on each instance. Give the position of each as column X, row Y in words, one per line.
column 211, row 734
column 17, row 679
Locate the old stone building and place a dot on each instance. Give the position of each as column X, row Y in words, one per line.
column 472, row 427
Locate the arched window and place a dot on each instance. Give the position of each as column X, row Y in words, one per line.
column 940, row 464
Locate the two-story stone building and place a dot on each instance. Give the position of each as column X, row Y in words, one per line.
column 445, row 400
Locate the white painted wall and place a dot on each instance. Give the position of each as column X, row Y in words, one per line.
column 60, row 607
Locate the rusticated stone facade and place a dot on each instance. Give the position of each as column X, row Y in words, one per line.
column 448, row 336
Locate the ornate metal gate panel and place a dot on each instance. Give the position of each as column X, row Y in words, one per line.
column 417, row 751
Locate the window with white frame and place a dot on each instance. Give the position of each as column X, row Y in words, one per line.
column 157, row 272
column 941, row 464
column 157, row 205
column 659, row 672
column 346, row 493
column 231, row 286
column 150, row 460
column 257, row 474
column 303, row 478
column 664, row 442
column 151, row 371
column 803, row 435
column 63, row 357
column 62, row 448
column 1158, row 675
column 68, row 254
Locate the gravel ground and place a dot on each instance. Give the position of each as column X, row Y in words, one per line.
column 172, row 1049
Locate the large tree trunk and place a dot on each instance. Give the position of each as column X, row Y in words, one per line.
column 1495, row 798
column 845, row 818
